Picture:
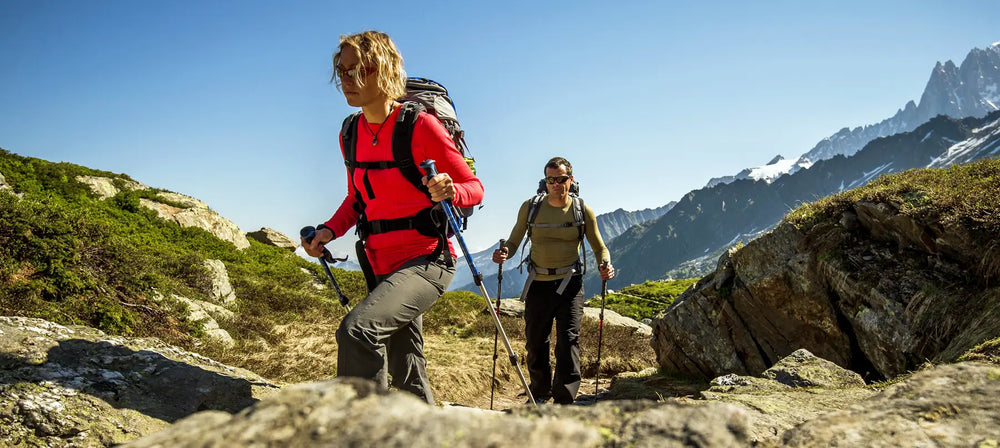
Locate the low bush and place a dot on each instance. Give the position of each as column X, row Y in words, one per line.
column 644, row 300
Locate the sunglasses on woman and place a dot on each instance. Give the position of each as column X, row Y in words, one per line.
column 355, row 72
column 556, row 180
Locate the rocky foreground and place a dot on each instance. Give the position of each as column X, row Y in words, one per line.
column 74, row 386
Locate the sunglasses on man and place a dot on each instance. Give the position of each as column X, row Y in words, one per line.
column 556, row 180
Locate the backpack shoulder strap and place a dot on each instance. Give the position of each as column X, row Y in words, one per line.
column 348, row 137
column 581, row 223
column 402, row 141
column 533, row 208
column 578, row 218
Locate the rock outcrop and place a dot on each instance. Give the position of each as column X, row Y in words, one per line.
column 222, row 290
column 274, row 238
column 197, row 214
column 221, row 298
column 184, row 210
column 104, row 187
column 878, row 292
column 75, row 386
column 6, row 186
column 207, row 314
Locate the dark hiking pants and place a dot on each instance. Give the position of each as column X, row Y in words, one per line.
column 542, row 305
column 382, row 334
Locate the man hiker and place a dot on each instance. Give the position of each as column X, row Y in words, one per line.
column 556, row 223
column 409, row 258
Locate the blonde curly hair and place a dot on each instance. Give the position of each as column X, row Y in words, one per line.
column 375, row 49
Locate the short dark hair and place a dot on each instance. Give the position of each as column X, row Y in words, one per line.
column 556, row 161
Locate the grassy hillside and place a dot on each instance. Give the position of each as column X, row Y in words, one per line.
column 965, row 195
column 72, row 258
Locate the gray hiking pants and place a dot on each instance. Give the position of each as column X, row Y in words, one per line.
column 542, row 305
column 382, row 334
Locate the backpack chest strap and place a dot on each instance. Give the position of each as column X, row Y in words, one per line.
column 379, row 165
column 561, row 224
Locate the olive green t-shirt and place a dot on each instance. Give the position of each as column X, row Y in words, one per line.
column 556, row 247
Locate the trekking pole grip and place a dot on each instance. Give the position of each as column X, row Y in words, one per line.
column 503, row 248
column 308, row 233
column 429, row 168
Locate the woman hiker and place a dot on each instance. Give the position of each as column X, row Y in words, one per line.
column 411, row 261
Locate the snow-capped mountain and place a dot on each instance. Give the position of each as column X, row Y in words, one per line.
column 777, row 167
column 969, row 90
column 985, row 142
column 686, row 240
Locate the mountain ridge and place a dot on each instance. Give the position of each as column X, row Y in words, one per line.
column 709, row 219
column 957, row 91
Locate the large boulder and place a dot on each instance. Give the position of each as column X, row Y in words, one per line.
column 274, row 238
column 76, row 386
column 352, row 412
column 613, row 319
column 865, row 292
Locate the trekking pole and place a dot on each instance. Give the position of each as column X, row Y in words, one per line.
column 430, row 170
column 496, row 333
column 307, row 233
column 600, row 333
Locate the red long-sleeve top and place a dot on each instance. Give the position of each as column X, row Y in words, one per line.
column 395, row 197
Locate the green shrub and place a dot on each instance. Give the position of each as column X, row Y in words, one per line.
column 644, row 300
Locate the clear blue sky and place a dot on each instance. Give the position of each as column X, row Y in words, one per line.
column 229, row 101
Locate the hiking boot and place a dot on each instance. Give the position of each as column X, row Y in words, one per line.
column 538, row 400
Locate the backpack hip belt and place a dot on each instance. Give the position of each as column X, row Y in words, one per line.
column 567, row 272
